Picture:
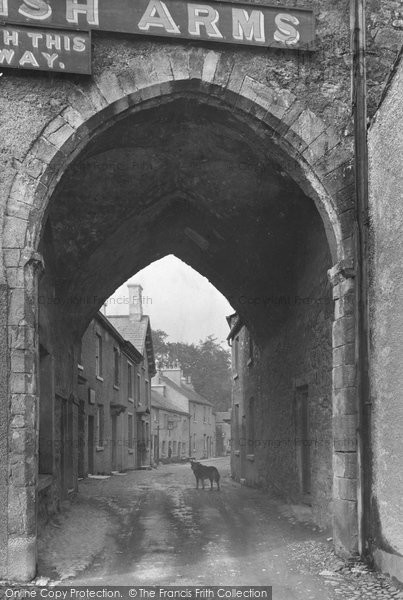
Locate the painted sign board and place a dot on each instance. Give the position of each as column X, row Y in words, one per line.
column 218, row 21
column 45, row 49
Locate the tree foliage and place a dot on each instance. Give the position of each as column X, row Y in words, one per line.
column 207, row 363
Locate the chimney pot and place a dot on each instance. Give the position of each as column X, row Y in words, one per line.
column 135, row 301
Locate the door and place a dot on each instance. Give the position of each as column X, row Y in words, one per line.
column 114, row 442
column 90, row 444
column 303, row 446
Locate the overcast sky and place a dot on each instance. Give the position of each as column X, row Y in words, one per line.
column 178, row 300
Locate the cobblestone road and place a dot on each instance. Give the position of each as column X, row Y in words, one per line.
column 155, row 528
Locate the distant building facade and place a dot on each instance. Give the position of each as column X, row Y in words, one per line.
column 169, row 429
column 136, row 328
column 223, row 433
column 171, row 384
column 305, row 438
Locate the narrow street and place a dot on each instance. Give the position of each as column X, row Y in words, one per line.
column 155, row 528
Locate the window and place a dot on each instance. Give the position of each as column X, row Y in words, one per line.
column 204, row 414
column 174, row 449
column 146, row 388
column 130, row 384
column 194, row 413
column 130, row 440
column 236, row 427
column 116, row 362
column 163, row 448
column 100, row 425
column 98, row 355
column 138, row 390
column 251, row 425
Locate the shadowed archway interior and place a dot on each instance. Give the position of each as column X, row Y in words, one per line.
column 189, row 179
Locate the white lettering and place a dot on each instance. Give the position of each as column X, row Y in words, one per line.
column 28, row 57
column 90, row 9
column 3, row 8
column 203, row 15
column 158, row 15
column 10, row 37
column 246, row 26
column 35, row 9
column 286, row 33
column 53, row 41
column 66, row 43
column 50, row 58
column 6, row 55
column 79, row 44
column 35, row 37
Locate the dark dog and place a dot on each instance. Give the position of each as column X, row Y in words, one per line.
column 203, row 472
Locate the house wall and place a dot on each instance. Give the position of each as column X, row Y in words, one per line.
column 98, row 395
column 202, row 430
column 175, row 436
column 144, row 455
column 296, row 357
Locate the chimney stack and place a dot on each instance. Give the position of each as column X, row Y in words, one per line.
column 135, row 301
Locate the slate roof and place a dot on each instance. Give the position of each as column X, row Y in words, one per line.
column 186, row 390
column 159, row 401
column 235, row 323
column 223, row 416
column 138, row 333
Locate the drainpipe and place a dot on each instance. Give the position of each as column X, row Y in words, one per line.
column 361, row 250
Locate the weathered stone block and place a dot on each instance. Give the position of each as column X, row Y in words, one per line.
column 73, row 117
column 17, row 306
column 22, row 558
column 294, row 109
column 210, row 66
column 21, row 336
column 15, row 277
column 108, row 85
column 22, row 404
column 179, row 67
column 345, row 527
column 23, row 441
column 223, row 70
column 14, row 232
column 11, row 257
column 343, row 331
column 345, row 464
column 344, row 305
column 345, row 425
column 345, row 488
column 196, row 62
column 21, row 510
column 307, row 127
column 43, row 150
column 344, row 376
column 60, row 136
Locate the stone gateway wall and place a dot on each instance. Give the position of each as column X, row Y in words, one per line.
column 386, row 293
column 295, row 357
column 278, row 124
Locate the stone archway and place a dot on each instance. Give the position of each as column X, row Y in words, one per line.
column 310, row 149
